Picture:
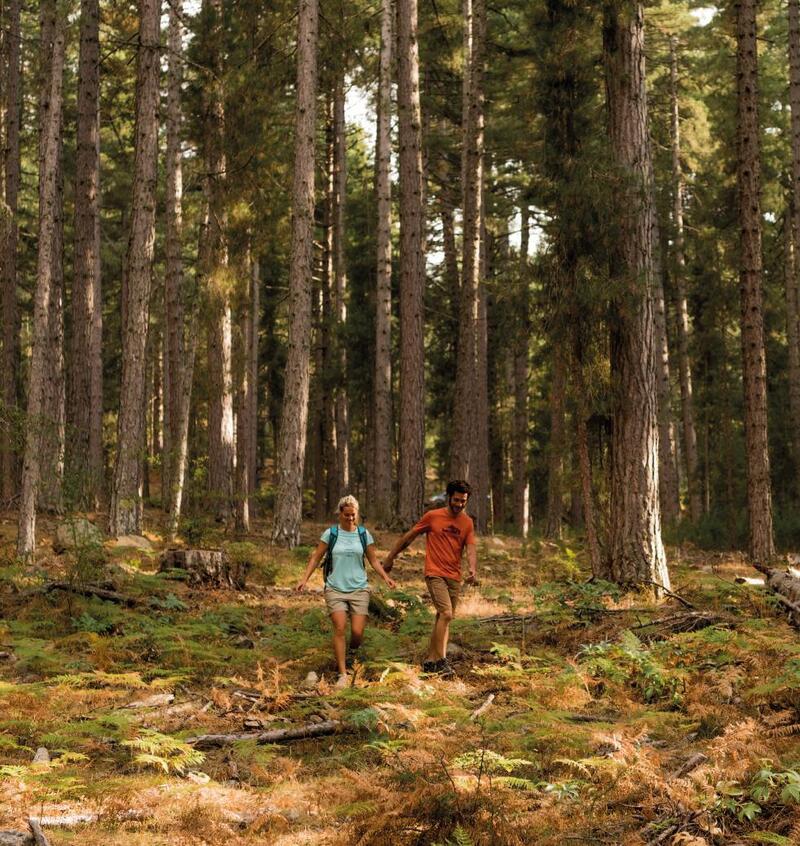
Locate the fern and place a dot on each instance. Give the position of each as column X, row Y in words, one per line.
column 459, row 838
column 161, row 751
column 515, row 782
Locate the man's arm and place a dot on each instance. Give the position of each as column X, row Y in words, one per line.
column 472, row 559
column 406, row 540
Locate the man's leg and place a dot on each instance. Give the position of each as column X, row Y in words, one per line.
column 437, row 587
column 452, row 591
column 438, row 643
column 339, row 620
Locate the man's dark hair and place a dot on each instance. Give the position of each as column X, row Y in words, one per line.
column 458, row 486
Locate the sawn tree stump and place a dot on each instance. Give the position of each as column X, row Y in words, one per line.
column 212, row 567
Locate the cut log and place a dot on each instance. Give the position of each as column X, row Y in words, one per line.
column 327, row 727
column 786, row 586
column 210, row 567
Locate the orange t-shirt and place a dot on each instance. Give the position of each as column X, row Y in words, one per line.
column 446, row 537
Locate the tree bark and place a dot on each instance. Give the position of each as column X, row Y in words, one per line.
column 555, row 448
column 53, row 28
column 341, row 402
column 126, row 501
column 792, row 340
column 412, row 269
column 792, row 240
column 9, row 377
column 174, row 309
column 754, row 368
column 221, row 448
column 465, row 413
column 380, row 497
column 294, row 413
column 519, row 445
column 85, row 453
column 636, row 550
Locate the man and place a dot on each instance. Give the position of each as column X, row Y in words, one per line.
column 448, row 530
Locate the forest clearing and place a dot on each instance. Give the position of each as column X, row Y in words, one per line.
column 579, row 713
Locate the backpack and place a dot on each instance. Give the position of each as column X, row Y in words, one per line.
column 327, row 562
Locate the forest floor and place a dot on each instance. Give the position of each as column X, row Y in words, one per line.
column 578, row 715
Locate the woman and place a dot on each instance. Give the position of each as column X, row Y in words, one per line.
column 343, row 549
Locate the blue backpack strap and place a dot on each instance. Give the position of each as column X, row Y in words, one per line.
column 327, row 562
column 362, row 534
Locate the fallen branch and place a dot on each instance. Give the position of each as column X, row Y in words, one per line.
column 327, row 727
column 89, row 590
column 483, row 709
column 690, row 765
column 785, row 586
column 592, row 718
column 671, row 594
column 39, row 837
column 16, row 838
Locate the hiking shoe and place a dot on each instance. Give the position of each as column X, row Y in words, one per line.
column 444, row 668
column 351, row 656
column 343, row 681
column 430, row 666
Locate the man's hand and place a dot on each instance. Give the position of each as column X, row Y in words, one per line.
column 472, row 578
column 388, row 564
column 301, row 586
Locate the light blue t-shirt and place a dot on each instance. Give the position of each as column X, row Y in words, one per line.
column 348, row 573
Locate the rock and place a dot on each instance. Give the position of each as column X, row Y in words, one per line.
column 16, row 838
column 42, row 756
column 497, row 542
column 132, row 541
column 7, row 656
column 197, row 777
column 311, row 681
column 76, row 533
column 153, row 701
column 454, row 651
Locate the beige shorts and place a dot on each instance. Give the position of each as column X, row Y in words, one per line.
column 444, row 593
column 356, row 602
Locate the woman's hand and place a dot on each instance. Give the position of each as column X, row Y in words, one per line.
column 301, row 586
column 390, row 582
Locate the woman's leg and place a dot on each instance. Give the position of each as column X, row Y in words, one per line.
column 339, row 620
column 357, row 624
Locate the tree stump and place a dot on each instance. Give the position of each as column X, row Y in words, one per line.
column 210, row 567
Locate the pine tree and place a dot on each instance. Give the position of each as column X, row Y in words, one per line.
column 294, row 413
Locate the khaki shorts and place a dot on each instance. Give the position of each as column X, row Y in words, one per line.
column 356, row 602
column 444, row 593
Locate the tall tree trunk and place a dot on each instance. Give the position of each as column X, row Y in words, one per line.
column 380, row 496
column 52, row 445
column 669, row 493
column 245, row 422
column 792, row 239
column 412, row 268
column 555, row 448
column 221, row 448
column 53, row 28
column 792, row 340
column 85, row 452
column 585, row 472
column 333, row 486
column 174, row 309
column 693, row 481
column 464, row 447
column 9, row 377
column 521, row 352
column 754, row 367
column 294, row 413
column 636, row 549
column 252, row 366
column 126, row 501
column 342, row 414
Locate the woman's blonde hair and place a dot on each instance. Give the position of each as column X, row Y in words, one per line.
column 348, row 500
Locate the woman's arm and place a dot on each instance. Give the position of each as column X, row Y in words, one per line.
column 313, row 563
column 378, row 567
